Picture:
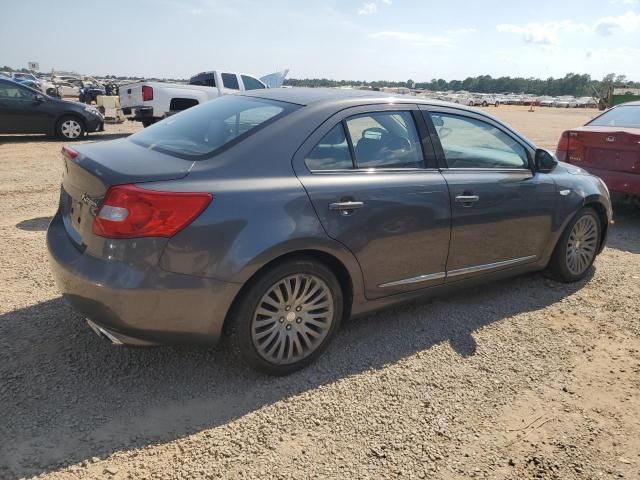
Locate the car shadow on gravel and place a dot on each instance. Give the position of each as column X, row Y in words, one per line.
column 67, row 395
column 625, row 232
column 38, row 224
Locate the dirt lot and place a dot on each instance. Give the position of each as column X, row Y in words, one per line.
column 523, row 379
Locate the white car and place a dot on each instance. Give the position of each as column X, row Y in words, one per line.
column 486, row 99
column 67, row 89
column 565, row 102
column 587, row 102
column 546, row 101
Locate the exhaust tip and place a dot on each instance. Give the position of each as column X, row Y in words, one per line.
column 101, row 332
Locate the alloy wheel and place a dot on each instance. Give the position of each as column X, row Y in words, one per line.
column 582, row 244
column 292, row 319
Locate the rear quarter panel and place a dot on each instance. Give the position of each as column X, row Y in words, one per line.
column 260, row 210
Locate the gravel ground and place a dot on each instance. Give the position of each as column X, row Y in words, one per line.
column 522, row 379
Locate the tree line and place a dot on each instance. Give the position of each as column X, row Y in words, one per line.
column 571, row 84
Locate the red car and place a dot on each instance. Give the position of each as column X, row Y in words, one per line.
column 608, row 146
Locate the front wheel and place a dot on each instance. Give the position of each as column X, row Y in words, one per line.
column 70, row 128
column 577, row 247
column 288, row 316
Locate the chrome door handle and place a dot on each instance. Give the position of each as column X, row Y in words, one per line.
column 345, row 207
column 467, row 199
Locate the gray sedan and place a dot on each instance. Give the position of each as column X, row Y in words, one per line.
column 275, row 215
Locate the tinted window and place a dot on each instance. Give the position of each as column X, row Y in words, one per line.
column 251, row 83
column 385, row 140
column 331, row 153
column 203, row 129
column 229, row 80
column 208, row 80
column 471, row 143
column 626, row 116
column 8, row 90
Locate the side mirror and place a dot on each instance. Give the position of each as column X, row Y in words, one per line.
column 545, row 161
column 38, row 98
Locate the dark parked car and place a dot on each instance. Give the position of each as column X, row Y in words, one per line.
column 608, row 146
column 276, row 214
column 25, row 110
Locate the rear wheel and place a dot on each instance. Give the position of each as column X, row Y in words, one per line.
column 577, row 248
column 484, row 103
column 288, row 316
column 70, row 128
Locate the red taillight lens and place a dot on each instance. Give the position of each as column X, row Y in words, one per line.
column 132, row 212
column 569, row 147
column 70, row 153
column 147, row 93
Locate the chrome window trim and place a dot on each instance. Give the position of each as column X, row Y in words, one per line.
column 373, row 170
column 501, row 169
column 490, row 266
column 418, row 279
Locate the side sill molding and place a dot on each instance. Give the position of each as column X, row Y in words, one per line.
column 490, row 266
column 418, row 279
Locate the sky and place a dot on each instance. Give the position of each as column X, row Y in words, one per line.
column 349, row 39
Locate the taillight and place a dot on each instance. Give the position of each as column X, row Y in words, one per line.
column 147, row 93
column 569, row 147
column 129, row 211
column 70, row 153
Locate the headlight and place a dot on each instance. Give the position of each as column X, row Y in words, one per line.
column 93, row 111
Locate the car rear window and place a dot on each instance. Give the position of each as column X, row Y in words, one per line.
column 625, row 116
column 200, row 131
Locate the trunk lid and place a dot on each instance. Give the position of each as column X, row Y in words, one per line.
column 97, row 166
column 612, row 149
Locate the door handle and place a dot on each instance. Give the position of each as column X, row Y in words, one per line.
column 346, row 208
column 467, row 200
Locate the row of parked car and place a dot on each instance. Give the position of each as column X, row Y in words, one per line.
column 471, row 99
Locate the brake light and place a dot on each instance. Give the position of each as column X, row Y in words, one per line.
column 129, row 211
column 147, row 93
column 569, row 147
column 70, row 153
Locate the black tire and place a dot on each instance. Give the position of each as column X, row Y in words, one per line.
column 246, row 309
column 70, row 128
column 484, row 104
column 147, row 123
column 558, row 267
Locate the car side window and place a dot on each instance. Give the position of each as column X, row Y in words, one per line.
column 15, row 93
column 251, row 83
column 331, row 153
column 229, row 80
column 471, row 143
column 385, row 140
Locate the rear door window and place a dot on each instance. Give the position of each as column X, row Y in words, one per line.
column 385, row 140
column 331, row 153
column 230, row 80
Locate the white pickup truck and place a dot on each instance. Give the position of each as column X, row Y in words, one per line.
column 148, row 102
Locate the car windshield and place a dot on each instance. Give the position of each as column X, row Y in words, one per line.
column 201, row 130
column 626, row 116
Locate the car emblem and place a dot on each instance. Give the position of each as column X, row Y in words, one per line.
column 611, row 139
column 91, row 202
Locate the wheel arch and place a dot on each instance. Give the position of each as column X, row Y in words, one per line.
column 602, row 215
column 339, row 269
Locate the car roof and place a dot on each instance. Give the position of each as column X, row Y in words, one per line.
column 308, row 96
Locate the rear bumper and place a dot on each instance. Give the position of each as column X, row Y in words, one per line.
column 618, row 182
column 138, row 307
column 138, row 114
